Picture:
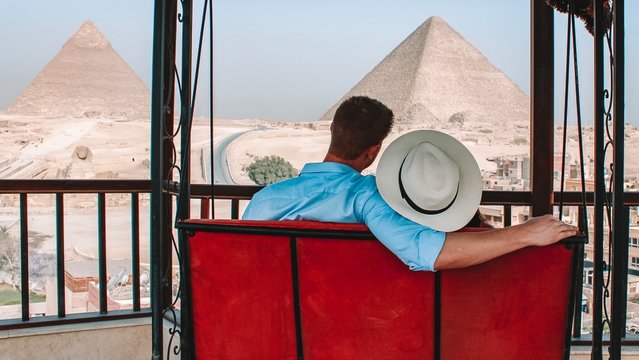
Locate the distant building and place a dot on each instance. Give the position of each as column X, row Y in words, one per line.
column 80, row 279
column 512, row 174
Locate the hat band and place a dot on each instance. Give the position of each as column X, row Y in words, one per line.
column 416, row 207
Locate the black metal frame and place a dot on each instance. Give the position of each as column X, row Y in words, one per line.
column 598, row 280
column 542, row 97
column 604, row 207
column 162, row 89
column 620, row 213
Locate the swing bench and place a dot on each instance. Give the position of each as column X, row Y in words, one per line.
column 313, row 290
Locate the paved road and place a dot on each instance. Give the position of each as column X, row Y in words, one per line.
column 221, row 172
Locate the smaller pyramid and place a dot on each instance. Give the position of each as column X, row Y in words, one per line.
column 87, row 78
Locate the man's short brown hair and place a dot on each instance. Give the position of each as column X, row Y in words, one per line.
column 359, row 123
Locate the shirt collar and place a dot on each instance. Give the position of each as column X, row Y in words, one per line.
column 324, row 167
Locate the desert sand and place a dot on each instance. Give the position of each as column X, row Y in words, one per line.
column 298, row 144
column 40, row 147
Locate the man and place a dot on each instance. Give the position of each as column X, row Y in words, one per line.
column 335, row 191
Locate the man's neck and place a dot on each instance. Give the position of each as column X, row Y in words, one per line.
column 355, row 164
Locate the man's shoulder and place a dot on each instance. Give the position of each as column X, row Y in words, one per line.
column 369, row 183
column 283, row 185
column 314, row 181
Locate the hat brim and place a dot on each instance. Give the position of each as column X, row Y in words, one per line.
column 470, row 184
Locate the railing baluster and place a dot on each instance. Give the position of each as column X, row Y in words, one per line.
column 619, row 281
column 508, row 215
column 204, row 208
column 24, row 256
column 576, row 327
column 102, row 264
column 235, row 208
column 59, row 236
column 135, row 250
column 22, row 189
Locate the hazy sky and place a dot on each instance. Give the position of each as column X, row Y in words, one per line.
column 293, row 59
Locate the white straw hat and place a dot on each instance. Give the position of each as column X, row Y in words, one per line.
column 431, row 178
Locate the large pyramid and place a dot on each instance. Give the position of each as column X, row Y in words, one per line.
column 435, row 74
column 87, row 78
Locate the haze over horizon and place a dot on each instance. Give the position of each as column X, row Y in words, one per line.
column 291, row 61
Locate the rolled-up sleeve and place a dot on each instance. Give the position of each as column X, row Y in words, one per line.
column 416, row 245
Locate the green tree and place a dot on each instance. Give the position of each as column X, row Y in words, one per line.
column 269, row 169
column 41, row 264
column 10, row 257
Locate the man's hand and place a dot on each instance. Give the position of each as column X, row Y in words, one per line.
column 545, row 230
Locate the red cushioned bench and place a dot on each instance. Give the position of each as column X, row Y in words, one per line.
column 309, row 290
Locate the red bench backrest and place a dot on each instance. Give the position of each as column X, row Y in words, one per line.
column 285, row 293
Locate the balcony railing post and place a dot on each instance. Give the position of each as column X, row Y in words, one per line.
column 59, row 235
column 184, row 197
column 620, row 213
column 542, row 107
column 102, row 262
column 167, row 129
column 600, row 188
column 135, row 250
column 162, row 91
column 24, row 256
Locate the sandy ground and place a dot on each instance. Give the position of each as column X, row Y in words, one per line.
column 47, row 148
column 300, row 145
column 39, row 147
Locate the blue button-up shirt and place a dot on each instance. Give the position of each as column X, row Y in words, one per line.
column 336, row 192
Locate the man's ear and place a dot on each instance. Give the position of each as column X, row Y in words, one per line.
column 373, row 151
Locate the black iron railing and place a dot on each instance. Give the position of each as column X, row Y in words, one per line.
column 234, row 194
column 25, row 188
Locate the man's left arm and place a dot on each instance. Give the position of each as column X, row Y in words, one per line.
column 462, row 249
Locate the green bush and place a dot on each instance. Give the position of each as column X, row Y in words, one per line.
column 269, row 169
